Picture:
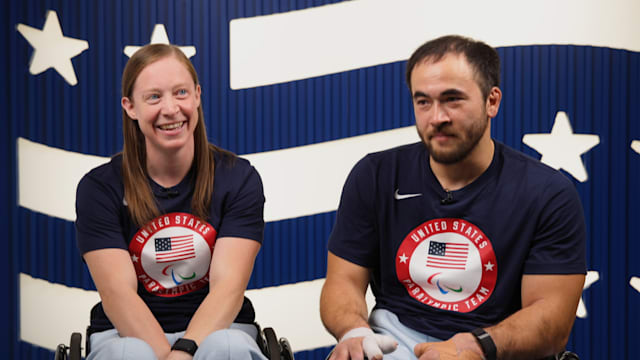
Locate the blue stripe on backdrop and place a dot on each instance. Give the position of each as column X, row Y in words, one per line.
column 598, row 89
column 633, row 209
column 7, row 184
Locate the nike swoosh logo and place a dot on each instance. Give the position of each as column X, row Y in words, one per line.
column 399, row 196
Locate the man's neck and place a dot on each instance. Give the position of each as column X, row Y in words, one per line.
column 462, row 173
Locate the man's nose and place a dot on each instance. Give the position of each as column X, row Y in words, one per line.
column 439, row 114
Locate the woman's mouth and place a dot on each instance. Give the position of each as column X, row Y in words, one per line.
column 172, row 126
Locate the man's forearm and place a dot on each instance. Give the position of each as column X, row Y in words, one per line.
column 530, row 333
column 542, row 327
column 342, row 308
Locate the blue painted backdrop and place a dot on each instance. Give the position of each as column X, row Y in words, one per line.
column 598, row 88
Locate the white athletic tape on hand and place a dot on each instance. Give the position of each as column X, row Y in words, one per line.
column 373, row 345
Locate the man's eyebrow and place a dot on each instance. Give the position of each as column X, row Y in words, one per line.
column 450, row 92
column 418, row 94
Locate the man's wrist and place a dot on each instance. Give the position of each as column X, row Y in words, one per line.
column 486, row 343
column 356, row 332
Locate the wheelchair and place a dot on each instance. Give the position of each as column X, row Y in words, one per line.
column 272, row 347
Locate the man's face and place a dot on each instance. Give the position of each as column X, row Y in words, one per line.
column 451, row 112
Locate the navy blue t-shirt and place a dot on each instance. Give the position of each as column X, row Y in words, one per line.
column 172, row 253
column 448, row 262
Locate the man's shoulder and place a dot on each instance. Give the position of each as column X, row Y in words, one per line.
column 400, row 153
column 533, row 170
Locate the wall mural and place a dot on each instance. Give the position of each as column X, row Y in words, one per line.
column 303, row 91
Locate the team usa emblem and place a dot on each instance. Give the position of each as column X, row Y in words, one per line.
column 448, row 264
column 172, row 254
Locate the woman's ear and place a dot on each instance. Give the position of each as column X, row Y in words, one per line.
column 127, row 105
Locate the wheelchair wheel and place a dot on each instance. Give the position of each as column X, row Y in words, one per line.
column 61, row 352
column 273, row 347
column 285, row 349
column 75, row 346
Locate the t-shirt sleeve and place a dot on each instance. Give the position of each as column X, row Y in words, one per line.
column 243, row 213
column 353, row 237
column 97, row 221
column 559, row 245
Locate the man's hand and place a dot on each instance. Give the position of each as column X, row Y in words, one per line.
column 358, row 342
column 460, row 346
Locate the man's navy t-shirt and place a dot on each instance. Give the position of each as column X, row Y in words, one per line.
column 446, row 262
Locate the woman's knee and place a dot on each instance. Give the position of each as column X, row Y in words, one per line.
column 120, row 348
column 228, row 344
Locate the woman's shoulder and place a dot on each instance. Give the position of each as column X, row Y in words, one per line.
column 233, row 171
column 108, row 174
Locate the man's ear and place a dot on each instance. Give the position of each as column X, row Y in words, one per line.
column 127, row 105
column 493, row 101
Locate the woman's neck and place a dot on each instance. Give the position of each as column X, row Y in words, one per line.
column 167, row 169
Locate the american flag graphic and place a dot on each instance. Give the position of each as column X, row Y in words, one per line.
column 447, row 255
column 175, row 248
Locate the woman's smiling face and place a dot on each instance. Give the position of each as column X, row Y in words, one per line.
column 165, row 102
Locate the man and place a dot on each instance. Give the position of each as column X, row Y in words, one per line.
column 461, row 238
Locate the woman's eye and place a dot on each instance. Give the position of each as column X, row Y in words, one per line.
column 182, row 92
column 153, row 97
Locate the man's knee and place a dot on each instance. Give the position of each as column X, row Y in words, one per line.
column 228, row 344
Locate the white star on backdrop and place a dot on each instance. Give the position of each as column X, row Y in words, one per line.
column 51, row 49
column 635, row 145
column 159, row 36
column 488, row 266
column 592, row 276
column 561, row 149
column 403, row 258
column 134, row 258
column 635, row 283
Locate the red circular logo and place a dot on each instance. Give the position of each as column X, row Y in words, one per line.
column 448, row 264
column 172, row 254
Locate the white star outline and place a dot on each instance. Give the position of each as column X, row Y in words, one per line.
column 51, row 49
column 489, row 266
column 635, row 283
column 403, row 258
column 561, row 149
column 592, row 276
column 159, row 36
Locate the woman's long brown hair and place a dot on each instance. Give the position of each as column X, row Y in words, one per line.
column 137, row 191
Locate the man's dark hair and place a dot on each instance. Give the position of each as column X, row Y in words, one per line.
column 483, row 58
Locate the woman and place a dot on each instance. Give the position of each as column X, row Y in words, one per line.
column 147, row 222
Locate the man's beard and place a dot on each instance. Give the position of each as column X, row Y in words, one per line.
column 460, row 150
